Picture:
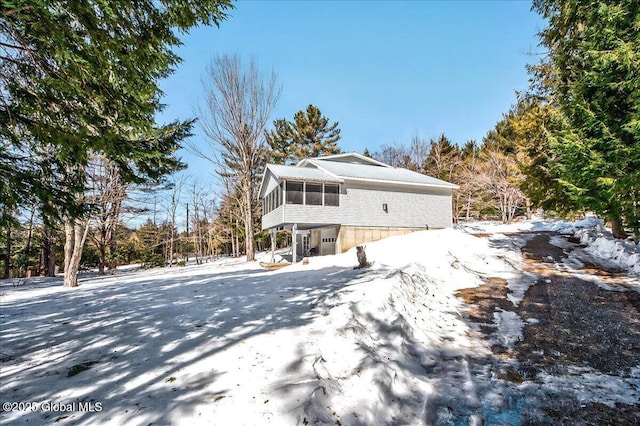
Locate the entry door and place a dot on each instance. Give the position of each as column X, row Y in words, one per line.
column 328, row 241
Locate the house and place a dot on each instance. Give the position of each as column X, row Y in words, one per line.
column 339, row 201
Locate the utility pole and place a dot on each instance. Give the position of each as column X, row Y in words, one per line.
column 187, row 251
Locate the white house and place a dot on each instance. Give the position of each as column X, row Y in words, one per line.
column 337, row 202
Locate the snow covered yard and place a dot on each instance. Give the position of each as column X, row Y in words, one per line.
column 230, row 343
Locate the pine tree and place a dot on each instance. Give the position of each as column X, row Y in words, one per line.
column 81, row 78
column 309, row 135
column 594, row 58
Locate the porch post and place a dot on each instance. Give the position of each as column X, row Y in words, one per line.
column 272, row 233
column 294, row 241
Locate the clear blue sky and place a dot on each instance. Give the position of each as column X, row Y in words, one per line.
column 385, row 70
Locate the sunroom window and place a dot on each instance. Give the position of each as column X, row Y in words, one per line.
column 294, row 192
column 313, row 193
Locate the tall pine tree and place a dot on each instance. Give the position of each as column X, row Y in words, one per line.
column 309, row 135
column 83, row 77
column 594, row 63
column 78, row 78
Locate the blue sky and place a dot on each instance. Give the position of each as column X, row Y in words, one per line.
column 385, row 70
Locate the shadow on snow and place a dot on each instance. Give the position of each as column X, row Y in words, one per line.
column 138, row 328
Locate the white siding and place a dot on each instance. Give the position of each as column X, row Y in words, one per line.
column 298, row 213
column 361, row 205
column 273, row 218
column 270, row 184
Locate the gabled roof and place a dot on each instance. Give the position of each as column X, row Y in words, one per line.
column 347, row 157
column 388, row 174
column 301, row 173
column 353, row 167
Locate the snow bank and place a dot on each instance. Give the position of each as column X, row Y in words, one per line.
column 600, row 243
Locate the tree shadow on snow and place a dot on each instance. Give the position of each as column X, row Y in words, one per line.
column 127, row 342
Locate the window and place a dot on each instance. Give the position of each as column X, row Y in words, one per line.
column 313, row 193
column 331, row 195
column 294, row 192
column 273, row 200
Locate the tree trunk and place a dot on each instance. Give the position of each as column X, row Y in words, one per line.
column 617, row 229
column 170, row 248
column 49, row 251
column 236, row 251
column 233, row 243
column 78, row 231
column 248, row 228
column 102, row 258
column 503, row 208
column 68, row 244
column 49, row 238
column 27, row 249
column 7, row 254
column 113, row 248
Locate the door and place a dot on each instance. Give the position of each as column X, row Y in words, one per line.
column 328, row 241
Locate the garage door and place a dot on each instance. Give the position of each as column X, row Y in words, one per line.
column 328, row 241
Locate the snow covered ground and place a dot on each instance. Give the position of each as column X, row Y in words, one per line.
column 230, row 343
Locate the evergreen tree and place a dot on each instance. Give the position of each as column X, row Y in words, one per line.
column 530, row 123
column 81, row 78
column 309, row 135
column 594, row 58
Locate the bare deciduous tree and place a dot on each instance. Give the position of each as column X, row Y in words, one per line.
column 108, row 191
column 500, row 176
column 238, row 105
column 467, row 197
column 410, row 157
column 174, row 199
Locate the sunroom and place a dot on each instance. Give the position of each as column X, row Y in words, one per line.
column 302, row 199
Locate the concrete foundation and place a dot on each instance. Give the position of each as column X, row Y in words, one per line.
column 351, row 236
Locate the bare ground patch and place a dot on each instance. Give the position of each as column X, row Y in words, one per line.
column 570, row 323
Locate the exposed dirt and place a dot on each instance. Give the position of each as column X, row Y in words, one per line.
column 485, row 299
column 579, row 323
column 570, row 323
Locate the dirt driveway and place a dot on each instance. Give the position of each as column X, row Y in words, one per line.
column 581, row 330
